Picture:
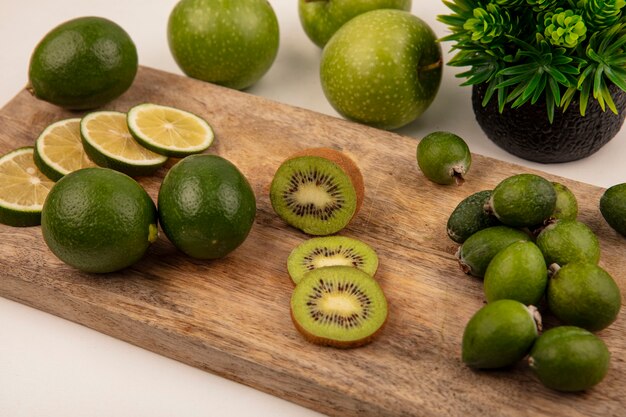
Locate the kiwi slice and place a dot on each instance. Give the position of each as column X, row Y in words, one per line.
column 321, row 252
column 338, row 306
column 317, row 191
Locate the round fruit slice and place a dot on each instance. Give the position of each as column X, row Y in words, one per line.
column 169, row 131
column 317, row 191
column 59, row 151
column 109, row 144
column 338, row 306
column 321, row 252
column 23, row 188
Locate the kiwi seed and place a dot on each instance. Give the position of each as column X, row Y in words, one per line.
column 338, row 306
column 317, row 191
column 321, row 252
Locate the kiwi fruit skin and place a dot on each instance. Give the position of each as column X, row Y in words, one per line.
column 346, row 163
column 328, row 251
column 315, row 284
column 338, row 165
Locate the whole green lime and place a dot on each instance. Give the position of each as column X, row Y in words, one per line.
column 83, row 64
column 226, row 42
column 98, row 220
column 206, row 206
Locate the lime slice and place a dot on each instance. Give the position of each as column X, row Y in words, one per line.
column 23, row 188
column 108, row 143
column 59, row 151
column 169, row 131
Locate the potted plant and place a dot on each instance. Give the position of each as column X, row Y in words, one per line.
column 548, row 76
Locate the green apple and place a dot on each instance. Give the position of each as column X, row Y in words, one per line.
column 227, row 42
column 322, row 18
column 382, row 68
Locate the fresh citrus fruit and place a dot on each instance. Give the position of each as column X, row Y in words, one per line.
column 83, row 63
column 108, row 143
column 23, row 188
column 169, row 131
column 59, row 151
column 206, row 206
column 98, row 220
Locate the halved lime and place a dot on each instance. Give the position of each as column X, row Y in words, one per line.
column 23, row 188
column 169, row 131
column 108, row 143
column 59, row 151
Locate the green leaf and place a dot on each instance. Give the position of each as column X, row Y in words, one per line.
column 539, row 89
column 550, row 106
column 554, row 88
column 568, row 97
column 584, row 96
column 617, row 79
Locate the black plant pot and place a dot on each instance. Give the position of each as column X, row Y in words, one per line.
column 527, row 133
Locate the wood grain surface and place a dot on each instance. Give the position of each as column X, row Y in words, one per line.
column 231, row 316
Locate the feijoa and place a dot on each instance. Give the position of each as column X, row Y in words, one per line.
column 517, row 272
column 613, row 207
column 566, row 204
column 499, row 334
column 584, row 295
column 477, row 251
column 568, row 358
column 565, row 241
column 469, row 217
column 523, row 200
column 444, row 158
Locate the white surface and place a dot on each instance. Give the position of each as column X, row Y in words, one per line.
column 51, row 367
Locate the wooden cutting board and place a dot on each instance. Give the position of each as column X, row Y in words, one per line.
column 231, row 316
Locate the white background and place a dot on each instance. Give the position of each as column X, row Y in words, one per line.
column 51, row 367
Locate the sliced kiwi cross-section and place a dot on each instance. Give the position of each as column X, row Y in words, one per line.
column 320, row 252
column 317, row 191
column 338, row 306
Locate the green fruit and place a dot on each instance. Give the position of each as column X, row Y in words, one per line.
column 382, row 68
column 517, row 272
column 83, row 63
column 565, row 241
column 206, row 206
column 470, row 216
column 566, row 204
column 479, row 249
column 320, row 19
column 338, row 306
column 322, row 252
column 444, row 158
column 523, row 200
column 318, row 191
column 613, row 207
column 499, row 334
column 584, row 295
column 98, row 220
column 226, row 42
column 568, row 358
